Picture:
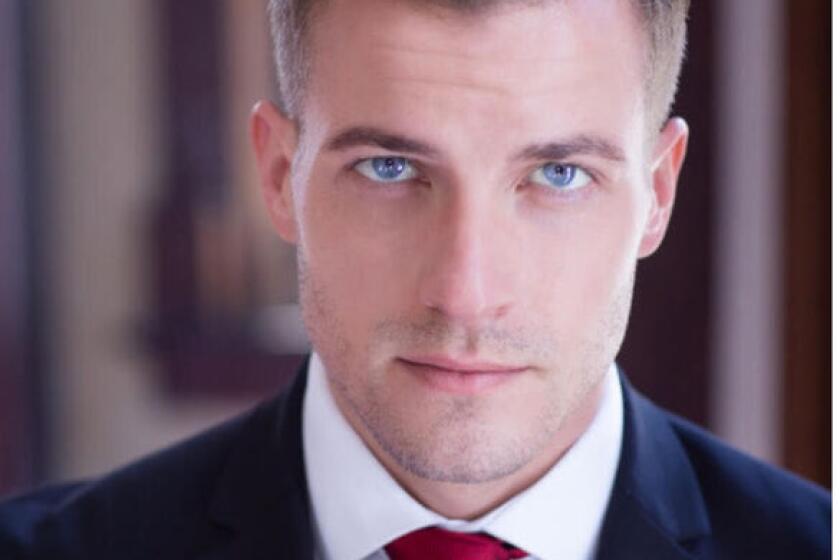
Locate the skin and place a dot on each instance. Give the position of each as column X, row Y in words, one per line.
column 473, row 258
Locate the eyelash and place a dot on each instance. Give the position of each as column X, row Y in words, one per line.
column 420, row 178
column 596, row 176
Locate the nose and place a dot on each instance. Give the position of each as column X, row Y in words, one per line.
column 469, row 271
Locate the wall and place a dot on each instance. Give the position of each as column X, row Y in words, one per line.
column 102, row 163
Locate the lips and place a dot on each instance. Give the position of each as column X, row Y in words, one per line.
column 460, row 376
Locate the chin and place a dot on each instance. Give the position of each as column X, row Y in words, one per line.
column 457, row 445
column 459, row 465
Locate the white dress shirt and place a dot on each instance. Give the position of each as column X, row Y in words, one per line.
column 358, row 508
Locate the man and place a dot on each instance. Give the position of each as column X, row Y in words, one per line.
column 469, row 185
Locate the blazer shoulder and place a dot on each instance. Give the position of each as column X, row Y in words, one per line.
column 160, row 498
column 759, row 509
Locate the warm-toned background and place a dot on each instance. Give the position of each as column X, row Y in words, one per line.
column 143, row 297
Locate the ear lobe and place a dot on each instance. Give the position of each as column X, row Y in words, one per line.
column 274, row 141
column 667, row 161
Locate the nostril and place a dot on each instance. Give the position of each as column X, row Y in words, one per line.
column 467, row 298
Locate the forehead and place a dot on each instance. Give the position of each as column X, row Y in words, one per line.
column 526, row 66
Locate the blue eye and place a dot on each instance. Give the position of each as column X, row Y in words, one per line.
column 561, row 176
column 386, row 169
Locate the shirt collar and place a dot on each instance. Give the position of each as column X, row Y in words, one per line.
column 359, row 508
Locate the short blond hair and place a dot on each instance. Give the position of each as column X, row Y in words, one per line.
column 664, row 21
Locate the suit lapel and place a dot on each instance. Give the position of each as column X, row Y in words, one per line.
column 656, row 509
column 261, row 497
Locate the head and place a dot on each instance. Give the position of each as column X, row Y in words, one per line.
column 469, row 186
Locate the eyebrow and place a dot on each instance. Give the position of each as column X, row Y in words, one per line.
column 583, row 144
column 370, row 136
column 578, row 145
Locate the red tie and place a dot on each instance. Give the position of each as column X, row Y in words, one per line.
column 433, row 543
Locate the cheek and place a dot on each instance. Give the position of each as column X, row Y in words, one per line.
column 586, row 260
column 360, row 246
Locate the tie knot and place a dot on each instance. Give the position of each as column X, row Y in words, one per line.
column 433, row 543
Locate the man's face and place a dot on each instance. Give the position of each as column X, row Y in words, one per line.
column 469, row 196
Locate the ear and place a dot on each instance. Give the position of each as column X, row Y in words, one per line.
column 274, row 141
column 666, row 162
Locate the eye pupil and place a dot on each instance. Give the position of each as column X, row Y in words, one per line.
column 559, row 174
column 388, row 167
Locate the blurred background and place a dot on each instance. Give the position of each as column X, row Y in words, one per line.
column 143, row 295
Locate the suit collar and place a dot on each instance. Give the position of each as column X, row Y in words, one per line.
column 657, row 509
column 261, row 495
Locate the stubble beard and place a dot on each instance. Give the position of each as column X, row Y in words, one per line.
column 454, row 445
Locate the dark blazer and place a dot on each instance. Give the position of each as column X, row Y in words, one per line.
column 239, row 491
